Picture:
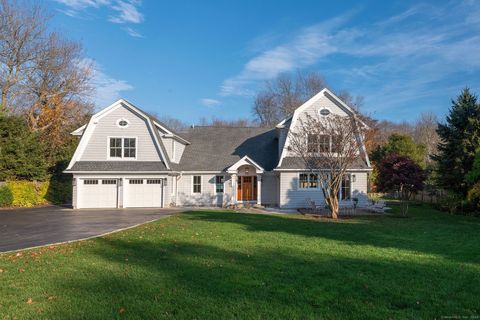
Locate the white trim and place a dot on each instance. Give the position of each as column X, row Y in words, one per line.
column 99, row 115
column 175, row 137
column 329, row 95
column 122, row 158
column 79, row 131
column 123, row 119
column 308, row 181
column 245, row 160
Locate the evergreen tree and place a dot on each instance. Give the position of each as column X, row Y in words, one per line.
column 460, row 138
column 22, row 153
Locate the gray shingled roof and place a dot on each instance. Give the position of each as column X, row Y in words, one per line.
column 217, row 148
column 118, row 166
column 298, row 163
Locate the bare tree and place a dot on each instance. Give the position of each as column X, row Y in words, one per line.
column 425, row 133
column 173, row 123
column 22, row 32
column 217, row 122
column 58, row 85
column 327, row 146
column 282, row 95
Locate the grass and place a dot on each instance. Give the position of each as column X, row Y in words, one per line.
column 215, row 264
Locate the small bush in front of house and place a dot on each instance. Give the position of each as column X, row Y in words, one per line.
column 28, row 193
column 6, row 197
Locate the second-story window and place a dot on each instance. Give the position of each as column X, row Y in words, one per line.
column 123, row 148
column 129, row 147
column 115, row 147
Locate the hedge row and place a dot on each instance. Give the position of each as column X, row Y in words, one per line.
column 30, row 193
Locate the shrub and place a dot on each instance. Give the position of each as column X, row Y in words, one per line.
column 6, row 197
column 451, row 202
column 28, row 193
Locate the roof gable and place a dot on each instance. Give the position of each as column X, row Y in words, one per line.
column 87, row 131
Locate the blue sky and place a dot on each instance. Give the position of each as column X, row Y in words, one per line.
column 207, row 58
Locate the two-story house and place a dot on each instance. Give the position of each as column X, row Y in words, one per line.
column 127, row 158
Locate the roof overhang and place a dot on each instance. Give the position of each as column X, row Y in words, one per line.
column 245, row 161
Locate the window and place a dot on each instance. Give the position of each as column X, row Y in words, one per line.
column 197, row 184
column 312, row 143
column 346, row 189
column 123, row 147
column 109, row 181
column 219, row 180
column 135, row 181
column 308, row 181
column 324, row 143
column 324, row 112
column 336, row 143
column 90, row 181
column 129, row 147
column 154, row 181
column 318, row 143
column 115, row 147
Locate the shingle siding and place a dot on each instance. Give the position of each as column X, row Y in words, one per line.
column 97, row 147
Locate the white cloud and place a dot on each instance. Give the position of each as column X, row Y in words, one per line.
column 134, row 33
column 122, row 11
column 207, row 102
column 127, row 13
column 107, row 88
column 306, row 48
column 415, row 53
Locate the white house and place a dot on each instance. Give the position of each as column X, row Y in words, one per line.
column 127, row 158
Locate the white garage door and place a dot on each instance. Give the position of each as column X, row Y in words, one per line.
column 146, row 193
column 97, row 193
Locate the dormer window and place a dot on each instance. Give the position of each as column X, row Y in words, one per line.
column 123, row 123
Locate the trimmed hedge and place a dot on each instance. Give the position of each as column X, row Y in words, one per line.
column 30, row 193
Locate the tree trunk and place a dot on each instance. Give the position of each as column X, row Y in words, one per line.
column 334, row 207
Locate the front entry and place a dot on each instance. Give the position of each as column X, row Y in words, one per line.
column 247, row 188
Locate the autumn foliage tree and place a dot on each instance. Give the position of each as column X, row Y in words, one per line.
column 400, row 174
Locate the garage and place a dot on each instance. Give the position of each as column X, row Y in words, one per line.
column 97, row 193
column 143, row 193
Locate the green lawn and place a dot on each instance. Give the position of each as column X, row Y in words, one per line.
column 228, row 265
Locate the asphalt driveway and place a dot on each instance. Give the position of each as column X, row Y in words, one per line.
column 25, row 228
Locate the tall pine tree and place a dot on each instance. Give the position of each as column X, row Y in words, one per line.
column 460, row 138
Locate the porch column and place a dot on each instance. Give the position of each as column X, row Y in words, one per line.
column 259, row 188
column 234, row 187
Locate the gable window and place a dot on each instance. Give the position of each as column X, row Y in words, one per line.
column 129, row 147
column 322, row 143
column 123, row 147
column 197, row 184
column 308, row 181
column 123, row 123
column 115, row 147
column 312, row 143
column 346, row 188
column 219, row 180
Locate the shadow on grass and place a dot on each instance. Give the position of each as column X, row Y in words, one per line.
column 426, row 231
column 184, row 280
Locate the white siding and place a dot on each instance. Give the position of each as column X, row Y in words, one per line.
column 270, row 190
column 207, row 197
column 312, row 110
column 174, row 149
column 293, row 197
column 97, row 148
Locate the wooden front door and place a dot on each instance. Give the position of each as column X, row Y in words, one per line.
column 246, row 188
